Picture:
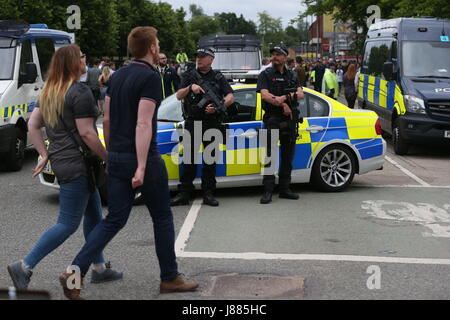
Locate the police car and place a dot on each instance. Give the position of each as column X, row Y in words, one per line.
column 25, row 54
column 333, row 145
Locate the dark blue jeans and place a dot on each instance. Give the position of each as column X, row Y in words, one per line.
column 75, row 201
column 155, row 190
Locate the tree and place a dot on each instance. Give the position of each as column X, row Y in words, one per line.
column 230, row 24
column 196, row 11
column 270, row 30
column 434, row 8
column 267, row 24
column 202, row 26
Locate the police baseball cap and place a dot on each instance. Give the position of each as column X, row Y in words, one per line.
column 202, row 52
column 281, row 48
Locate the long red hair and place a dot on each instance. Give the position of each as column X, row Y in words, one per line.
column 351, row 72
column 64, row 70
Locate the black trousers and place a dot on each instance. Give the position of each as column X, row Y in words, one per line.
column 190, row 168
column 288, row 137
column 351, row 100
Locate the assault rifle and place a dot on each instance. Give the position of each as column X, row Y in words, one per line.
column 209, row 97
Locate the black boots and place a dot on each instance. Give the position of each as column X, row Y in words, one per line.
column 288, row 194
column 181, row 199
column 266, row 198
column 209, row 199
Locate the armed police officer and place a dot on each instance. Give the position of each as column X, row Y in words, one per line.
column 280, row 91
column 201, row 86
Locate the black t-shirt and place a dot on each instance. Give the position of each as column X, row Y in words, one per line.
column 274, row 81
column 64, row 155
column 223, row 86
column 128, row 86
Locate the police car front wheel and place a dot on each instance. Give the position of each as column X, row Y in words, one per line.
column 334, row 168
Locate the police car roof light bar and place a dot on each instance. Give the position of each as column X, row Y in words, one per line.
column 13, row 29
column 39, row 26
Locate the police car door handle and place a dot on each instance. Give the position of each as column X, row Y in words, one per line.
column 249, row 134
column 315, row 129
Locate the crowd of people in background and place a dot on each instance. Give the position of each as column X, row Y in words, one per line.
column 99, row 72
column 328, row 76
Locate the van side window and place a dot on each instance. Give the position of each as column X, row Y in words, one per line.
column 25, row 56
column 45, row 49
column 376, row 54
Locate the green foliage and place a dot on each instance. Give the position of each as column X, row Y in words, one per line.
column 271, row 32
column 105, row 24
column 355, row 11
column 231, row 24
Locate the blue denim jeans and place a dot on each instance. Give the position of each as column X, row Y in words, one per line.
column 75, row 201
column 155, row 190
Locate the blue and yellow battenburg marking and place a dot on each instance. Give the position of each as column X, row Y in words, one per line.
column 385, row 94
column 8, row 112
column 246, row 157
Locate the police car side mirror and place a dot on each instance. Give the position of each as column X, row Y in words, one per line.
column 388, row 71
column 30, row 74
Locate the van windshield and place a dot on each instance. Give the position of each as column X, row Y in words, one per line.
column 7, row 55
column 236, row 60
column 426, row 59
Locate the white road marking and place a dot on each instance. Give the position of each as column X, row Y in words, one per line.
column 311, row 257
column 397, row 186
column 187, row 227
column 428, row 215
column 407, row 172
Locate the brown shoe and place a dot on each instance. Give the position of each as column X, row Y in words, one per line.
column 177, row 285
column 71, row 294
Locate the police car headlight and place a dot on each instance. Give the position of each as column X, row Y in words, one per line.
column 414, row 104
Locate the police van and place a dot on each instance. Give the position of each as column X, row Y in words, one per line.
column 25, row 54
column 237, row 56
column 405, row 79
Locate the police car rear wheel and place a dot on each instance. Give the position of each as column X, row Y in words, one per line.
column 400, row 146
column 334, row 169
column 14, row 160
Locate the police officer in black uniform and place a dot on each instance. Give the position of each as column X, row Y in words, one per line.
column 191, row 93
column 272, row 84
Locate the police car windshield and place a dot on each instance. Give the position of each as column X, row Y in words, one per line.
column 426, row 59
column 236, row 60
column 170, row 110
column 7, row 57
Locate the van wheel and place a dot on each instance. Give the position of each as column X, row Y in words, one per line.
column 138, row 199
column 334, row 169
column 400, row 146
column 16, row 155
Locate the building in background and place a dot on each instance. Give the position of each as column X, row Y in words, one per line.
column 328, row 38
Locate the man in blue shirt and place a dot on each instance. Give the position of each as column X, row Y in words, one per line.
column 129, row 125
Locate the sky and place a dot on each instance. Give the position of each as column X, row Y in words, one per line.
column 285, row 9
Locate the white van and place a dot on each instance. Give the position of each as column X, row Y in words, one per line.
column 25, row 54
